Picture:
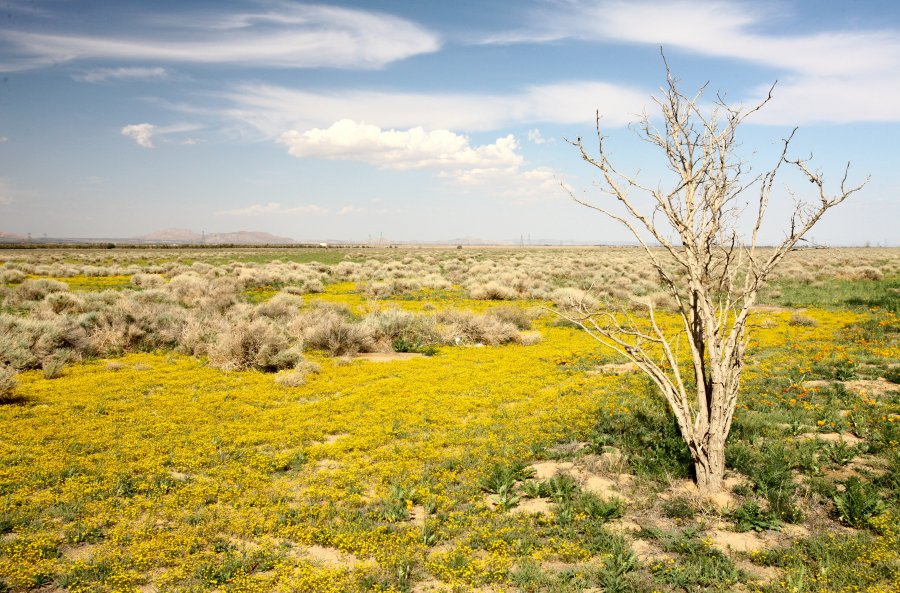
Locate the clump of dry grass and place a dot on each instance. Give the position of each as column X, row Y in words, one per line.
column 8, row 381
column 12, row 276
column 493, row 291
column 36, row 290
column 514, row 315
column 327, row 330
column 395, row 326
column 297, row 376
column 462, row 327
column 800, row 320
column 574, row 299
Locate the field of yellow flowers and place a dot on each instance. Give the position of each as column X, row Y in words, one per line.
column 527, row 466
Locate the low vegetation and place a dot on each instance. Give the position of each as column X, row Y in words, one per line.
column 256, row 421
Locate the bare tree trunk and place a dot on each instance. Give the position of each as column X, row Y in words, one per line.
column 709, row 463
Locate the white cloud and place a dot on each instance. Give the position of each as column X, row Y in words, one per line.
column 399, row 149
column 142, row 134
column 271, row 109
column 522, row 186
column 3, row 139
column 273, row 208
column 279, row 34
column 497, row 168
column 145, row 134
column 106, row 74
column 838, row 76
column 351, row 210
column 535, row 137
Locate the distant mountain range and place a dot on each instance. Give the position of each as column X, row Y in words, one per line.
column 234, row 238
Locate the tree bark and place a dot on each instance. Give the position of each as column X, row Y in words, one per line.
column 709, row 463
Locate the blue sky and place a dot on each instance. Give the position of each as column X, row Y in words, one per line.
column 426, row 120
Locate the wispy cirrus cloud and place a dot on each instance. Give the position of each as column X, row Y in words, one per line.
column 144, row 134
column 836, row 76
column 272, row 208
column 278, row 35
column 270, row 109
column 99, row 75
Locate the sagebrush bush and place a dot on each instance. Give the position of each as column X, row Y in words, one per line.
column 336, row 335
column 241, row 344
column 36, row 290
column 7, row 381
column 569, row 299
column 462, row 327
column 493, row 291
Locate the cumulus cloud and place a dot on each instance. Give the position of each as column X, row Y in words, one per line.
column 270, row 208
column 142, row 134
column 278, row 34
column 414, row 148
column 107, row 74
column 498, row 167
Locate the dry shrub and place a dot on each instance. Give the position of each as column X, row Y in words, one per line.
column 8, row 381
column 12, row 276
column 512, row 314
column 493, row 291
column 26, row 343
column 867, row 273
column 530, row 338
column 148, row 280
column 801, row 320
column 36, row 290
column 297, row 376
column 53, row 366
column 573, row 299
column 64, row 302
column 281, row 307
column 396, row 325
column 327, row 330
column 462, row 327
column 242, row 344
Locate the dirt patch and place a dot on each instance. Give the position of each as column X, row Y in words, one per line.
column 623, row 526
column 325, row 555
column 417, row 515
column 880, row 387
column 649, row 552
column 603, row 487
column 431, row 586
column 831, row 437
column 180, row 476
column 330, row 464
column 739, row 542
column 614, row 369
column 387, row 356
column 545, row 470
column 761, row 574
column 82, row 552
column 330, row 439
column 533, row 506
column 687, row 489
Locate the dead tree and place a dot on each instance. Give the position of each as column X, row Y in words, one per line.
column 711, row 269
